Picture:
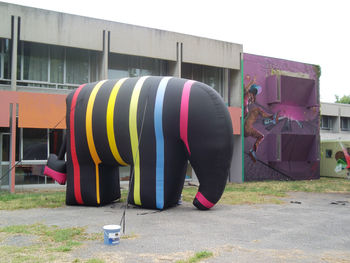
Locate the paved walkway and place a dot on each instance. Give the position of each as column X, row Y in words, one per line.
column 307, row 228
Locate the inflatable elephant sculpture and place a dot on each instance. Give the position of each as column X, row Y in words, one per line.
column 153, row 124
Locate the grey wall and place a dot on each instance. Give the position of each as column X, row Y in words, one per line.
column 141, row 41
column 5, row 21
column 56, row 28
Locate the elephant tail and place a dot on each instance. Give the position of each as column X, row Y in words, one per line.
column 56, row 166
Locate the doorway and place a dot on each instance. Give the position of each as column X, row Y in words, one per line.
column 5, row 139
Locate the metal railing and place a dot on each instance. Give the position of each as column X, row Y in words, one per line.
column 39, row 84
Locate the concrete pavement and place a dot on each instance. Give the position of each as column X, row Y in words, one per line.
column 309, row 227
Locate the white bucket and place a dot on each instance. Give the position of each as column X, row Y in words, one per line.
column 111, row 234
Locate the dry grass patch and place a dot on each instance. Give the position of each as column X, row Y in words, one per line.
column 40, row 243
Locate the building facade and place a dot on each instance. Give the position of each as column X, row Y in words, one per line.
column 335, row 121
column 46, row 54
column 281, row 119
column 335, row 130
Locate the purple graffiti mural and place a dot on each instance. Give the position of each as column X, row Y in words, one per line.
column 281, row 119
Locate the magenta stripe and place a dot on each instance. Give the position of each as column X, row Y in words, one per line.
column 185, row 99
column 57, row 176
column 203, row 200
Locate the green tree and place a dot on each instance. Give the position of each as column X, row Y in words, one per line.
column 345, row 99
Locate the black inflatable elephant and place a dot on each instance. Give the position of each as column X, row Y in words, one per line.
column 153, row 124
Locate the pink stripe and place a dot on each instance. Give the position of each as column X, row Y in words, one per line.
column 203, row 200
column 185, row 99
column 57, row 176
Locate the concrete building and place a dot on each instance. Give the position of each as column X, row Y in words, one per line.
column 281, row 124
column 46, row 54
column 335, row 121
column 335, row 128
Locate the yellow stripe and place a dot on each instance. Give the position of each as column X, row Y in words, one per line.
column 89, row 135
column 134, row 137
column 110, row 122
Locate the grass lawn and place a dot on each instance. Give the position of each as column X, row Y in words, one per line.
column 272, row 191
column 246, row 193
column 42, row 243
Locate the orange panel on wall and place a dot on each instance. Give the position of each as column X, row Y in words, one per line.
column 39, row 110
column 5, row 114
column 236, row 114
column 6, row 97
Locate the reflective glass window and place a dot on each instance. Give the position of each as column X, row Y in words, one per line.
column 1, row 59
column 56, row 64
column 31, row 174
column 121, row 66
column 212, row 76
column 4, row 59
column 35, row 144
column 35, row 62
column 77, row 66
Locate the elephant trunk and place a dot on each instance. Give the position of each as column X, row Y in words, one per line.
column 211, row 188
column 208, row 140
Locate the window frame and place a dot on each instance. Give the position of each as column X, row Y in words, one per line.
column 29, row 161
column 328, row 153
column 135, row 66
column 1, row 58
column 48, row 83
column 329, row 122
column 344, row 120
column 199, row 73
column 4, row 45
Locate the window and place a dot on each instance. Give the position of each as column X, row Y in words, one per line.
column 77, row 62
column 34, row 144
column 345, row 123
column 4, row 59
column 212, row 76
column 31, row 174
column 55, row 141
column 1, row 59
column 51, row 66
column 57, row 55
column 328, row 153
column 35, row 62
column 121, row 66
column 326, row 123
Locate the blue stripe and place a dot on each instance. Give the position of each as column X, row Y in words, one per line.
column 158, row 126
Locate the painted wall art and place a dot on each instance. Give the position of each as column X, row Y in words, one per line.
column 281, row 119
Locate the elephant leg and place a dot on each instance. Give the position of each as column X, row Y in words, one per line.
column 159, row 192
column 91, row 184
column 158, row 182
column 174, row 175
column 81, row 183
column 109, row 183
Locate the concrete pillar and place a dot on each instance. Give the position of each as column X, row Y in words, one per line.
column 175, row 67
column 12, row 177
column 104, row 66
column 14, row 53
column 236, row 99
column 226, row 91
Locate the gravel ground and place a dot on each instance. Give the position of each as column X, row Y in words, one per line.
column 307, row 228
